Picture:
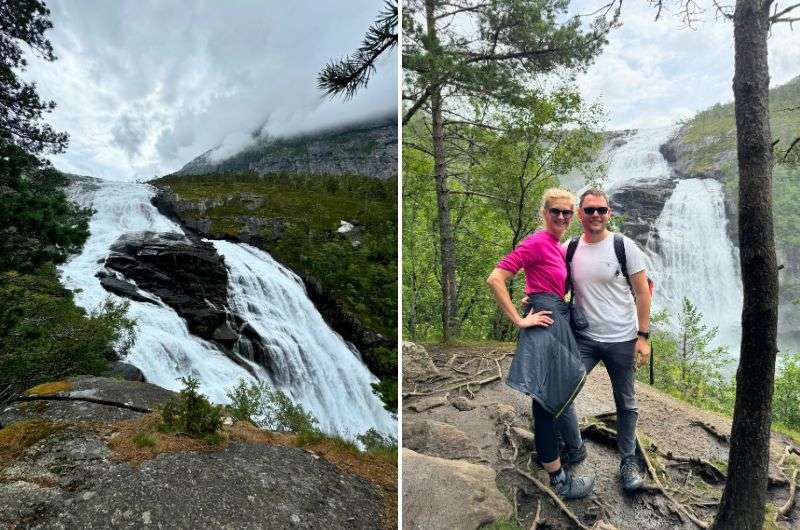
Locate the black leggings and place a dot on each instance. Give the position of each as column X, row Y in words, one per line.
column 544, row 431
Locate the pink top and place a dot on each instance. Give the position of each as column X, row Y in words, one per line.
column 544, row 261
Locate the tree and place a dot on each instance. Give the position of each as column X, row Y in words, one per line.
column 743, row 499
column 462, row 50
column 352, row 73
column 21, row 109
column 697, row 361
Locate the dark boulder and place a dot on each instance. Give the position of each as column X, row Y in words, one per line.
column 641, row 204
column 186, row 274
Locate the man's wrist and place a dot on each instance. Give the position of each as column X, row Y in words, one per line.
column 643, row 334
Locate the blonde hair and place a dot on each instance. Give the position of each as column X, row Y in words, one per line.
column 554, row 194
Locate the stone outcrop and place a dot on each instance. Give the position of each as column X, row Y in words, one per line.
column 187, row 275
column 641, row 204
column 368, row 149
column 435, row 438
column 73, row 477
column 440, row 493
column 190, row 214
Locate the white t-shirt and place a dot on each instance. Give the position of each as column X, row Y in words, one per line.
column 602, row 291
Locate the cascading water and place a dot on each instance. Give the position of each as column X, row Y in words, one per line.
column 694, row 258
column 317, row 367
column 697, row 260
column 638, row 160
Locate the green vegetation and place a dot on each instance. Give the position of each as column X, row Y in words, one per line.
column 190, row 412
column 20, row 435
column 495, row 197
column 687, row 367
column 44, row 336
column 359, row 272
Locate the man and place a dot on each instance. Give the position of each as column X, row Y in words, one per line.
column 618, row 330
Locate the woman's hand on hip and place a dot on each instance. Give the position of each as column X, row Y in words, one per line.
column 540, row 318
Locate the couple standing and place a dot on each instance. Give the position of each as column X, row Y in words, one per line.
column 555, row 352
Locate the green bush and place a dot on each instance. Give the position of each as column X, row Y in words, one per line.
column 282, row 414
column 45, row 336
column 786, row 400
column 190, row 412
column 247, row 401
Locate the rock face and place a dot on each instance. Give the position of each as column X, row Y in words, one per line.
column 73, row 479
column 190, row 215
column 439, row 493
column 641, row 204
column 435, row 438
column 189, row 276
column 368, row 149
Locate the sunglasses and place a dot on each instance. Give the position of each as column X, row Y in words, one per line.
column 555, row 212
column 589, row 210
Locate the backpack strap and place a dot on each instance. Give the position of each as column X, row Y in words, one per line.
column 619, row 250
column 571, row 248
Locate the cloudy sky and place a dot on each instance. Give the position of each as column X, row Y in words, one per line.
column 143, row 87
column 653, row 73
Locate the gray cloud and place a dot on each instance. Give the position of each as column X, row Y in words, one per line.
column 145, row 86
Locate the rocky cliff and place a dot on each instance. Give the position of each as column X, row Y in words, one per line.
column 69, row 458
column 368, row 149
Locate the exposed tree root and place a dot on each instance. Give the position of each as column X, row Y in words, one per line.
column 710, row 429
column 464, row 383
column 786, row 508
column 680, row 507
column 600, row 433
column 555, row 498
column 536, row 521
column 106, row 402
column 706, row 469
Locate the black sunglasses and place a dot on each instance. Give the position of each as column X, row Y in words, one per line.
column 555, row 211
column 589, row 210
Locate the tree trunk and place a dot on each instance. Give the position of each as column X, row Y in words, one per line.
column 446, row 242
column 742, row 504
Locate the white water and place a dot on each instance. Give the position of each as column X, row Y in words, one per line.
column 695, row 258
column 321, row 372
column 638, row 160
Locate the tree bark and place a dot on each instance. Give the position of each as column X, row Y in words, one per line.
column 744, row 497
column 446, row 242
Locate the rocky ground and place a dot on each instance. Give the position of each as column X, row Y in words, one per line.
column 68, row 459
column 468, row 460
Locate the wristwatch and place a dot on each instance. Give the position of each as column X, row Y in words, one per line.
column 645, row 334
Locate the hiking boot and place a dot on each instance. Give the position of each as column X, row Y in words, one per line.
column 629, row 474
column 569, row 487
column 571, row 457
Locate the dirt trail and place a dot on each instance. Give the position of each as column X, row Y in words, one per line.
column 670, row 429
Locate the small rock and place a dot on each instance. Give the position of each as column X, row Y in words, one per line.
column 523, row 434
column 428, row 403
column 88, row 495
column 417, row 363
column 146, row 517
column 462, row 403
column 227, row 421
column 295, row 518
column 502, row 413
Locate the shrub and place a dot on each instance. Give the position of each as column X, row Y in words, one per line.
column 247, row 402
column 282, row 414
column 785, row 409
column 191, row 413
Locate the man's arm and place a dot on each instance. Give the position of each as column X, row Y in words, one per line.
column 640, row 288
column 497, row 281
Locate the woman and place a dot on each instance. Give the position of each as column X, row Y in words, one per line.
column 547, row 364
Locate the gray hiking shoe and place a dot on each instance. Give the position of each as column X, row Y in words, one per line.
column 571, row 457
column 629, row 474
column 569, row 487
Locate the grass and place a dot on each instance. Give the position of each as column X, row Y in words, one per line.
column 53, row 387
column 17, row 437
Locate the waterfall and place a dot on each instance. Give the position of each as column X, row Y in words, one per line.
column 697, row 260
column 317, row 368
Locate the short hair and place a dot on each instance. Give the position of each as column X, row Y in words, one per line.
column 554, row 194
column 596, row 192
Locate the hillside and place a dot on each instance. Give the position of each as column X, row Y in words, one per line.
column 368, row 148
column 460, row 419
column 337, row 231
column 705, row 147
